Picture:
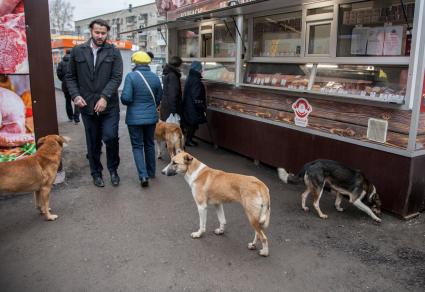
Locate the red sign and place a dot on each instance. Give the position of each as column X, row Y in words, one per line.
column 301, row 109
column 423, row 97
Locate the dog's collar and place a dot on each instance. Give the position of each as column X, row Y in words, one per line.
column 191, row 178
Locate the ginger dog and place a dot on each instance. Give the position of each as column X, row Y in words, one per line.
column 212, row 186
column 35, row 173
column 171, row 135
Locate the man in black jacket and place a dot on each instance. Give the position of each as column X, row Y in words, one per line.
column 94, row 75
column 171, row 102
column 73, row 115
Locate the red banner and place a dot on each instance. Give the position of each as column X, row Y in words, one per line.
column 423, row 97
column 180, row 8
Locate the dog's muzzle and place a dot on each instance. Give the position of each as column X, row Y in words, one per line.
column 169, row 170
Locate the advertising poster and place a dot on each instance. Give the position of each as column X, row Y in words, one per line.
column 16, row 119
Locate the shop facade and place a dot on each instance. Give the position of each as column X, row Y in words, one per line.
column 293, row 81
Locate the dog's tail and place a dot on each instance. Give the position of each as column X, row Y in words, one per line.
column 265, row 209
column 288, row 178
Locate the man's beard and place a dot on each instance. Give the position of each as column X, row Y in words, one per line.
column 97, row 44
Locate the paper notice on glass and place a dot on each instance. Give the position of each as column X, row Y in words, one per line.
column 359, row 37
column 375, row 41
column 393, row 40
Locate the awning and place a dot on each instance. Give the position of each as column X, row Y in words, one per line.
column 155, row 26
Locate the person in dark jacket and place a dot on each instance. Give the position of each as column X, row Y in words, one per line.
column 142, row 94
column 73, row 115
column 172, row 100
column 94, row 75
column 194, row 103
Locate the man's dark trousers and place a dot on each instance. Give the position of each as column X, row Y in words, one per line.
column 98, row 128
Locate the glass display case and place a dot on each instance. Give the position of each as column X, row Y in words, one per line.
column 188, row 43
column 213, row 71
column 220, row 72
column 289, row 76
column 383, row 83
column 277, row 35
column 375, row 28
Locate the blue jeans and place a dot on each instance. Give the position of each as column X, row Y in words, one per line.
column 142, row 142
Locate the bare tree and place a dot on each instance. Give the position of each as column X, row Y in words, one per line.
column 61, row 14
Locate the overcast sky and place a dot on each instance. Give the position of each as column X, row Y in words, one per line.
column 86, row 8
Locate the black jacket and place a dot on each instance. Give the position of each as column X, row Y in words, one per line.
column 90, row 81
column 194, row 100
column 61, row 71
column 172, row 97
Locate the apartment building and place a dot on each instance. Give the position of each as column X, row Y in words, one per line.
column 132, row 19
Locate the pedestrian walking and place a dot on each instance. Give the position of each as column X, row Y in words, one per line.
column 94, row 75
column 73, row 114
column 172, row 100
column 142, row 94
column 194, row 103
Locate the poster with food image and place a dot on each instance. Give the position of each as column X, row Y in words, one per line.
column 13, row 41
column 16, row 118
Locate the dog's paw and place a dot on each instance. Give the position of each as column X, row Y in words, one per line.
column 378, row 220
column 51, row 217
column 264, row 252
column 252, row 246
column 305, row 209
column 219, row 231
column 324, row 216
column 339, row 209
column 196, row 234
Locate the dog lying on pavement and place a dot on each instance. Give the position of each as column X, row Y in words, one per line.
column 170, row 134
column 211, row 186
column 342, row 180
column 35, row 173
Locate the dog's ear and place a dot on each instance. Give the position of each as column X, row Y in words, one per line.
column 188, row 159
column 41, row 141
column 63, row 140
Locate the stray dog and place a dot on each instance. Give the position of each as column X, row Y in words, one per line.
column 344, row 181
column 212, row 186
column 172, row 135
column 35, row 173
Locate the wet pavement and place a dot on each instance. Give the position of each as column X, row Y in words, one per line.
column 133, row 239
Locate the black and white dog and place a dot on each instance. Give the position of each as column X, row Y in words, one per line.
column 343, row 180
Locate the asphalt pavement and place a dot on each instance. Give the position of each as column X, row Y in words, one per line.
column 131, row 239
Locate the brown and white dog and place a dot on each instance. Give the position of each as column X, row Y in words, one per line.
column 35, row 173
column 212, row 186
column 171, row 135
column 344, row 181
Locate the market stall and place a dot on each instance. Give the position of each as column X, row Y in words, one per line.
column 27, row 97
column 293, row 81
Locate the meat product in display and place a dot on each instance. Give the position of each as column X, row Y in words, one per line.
column 13, row 44
column 8, row 6
column 12, row 113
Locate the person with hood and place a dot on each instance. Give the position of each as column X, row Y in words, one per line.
column 73, row 115
column 172, row 99
column 194, row 103
column 142, row 94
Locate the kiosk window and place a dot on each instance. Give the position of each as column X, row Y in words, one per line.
column 188, row 45
column 375, row 28
column 277, row 35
